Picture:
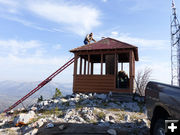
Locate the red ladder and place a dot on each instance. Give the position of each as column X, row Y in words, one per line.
column 43, row 83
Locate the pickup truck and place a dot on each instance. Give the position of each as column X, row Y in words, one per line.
column 162, row 103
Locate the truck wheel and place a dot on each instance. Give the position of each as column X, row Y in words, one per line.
column 159, row 127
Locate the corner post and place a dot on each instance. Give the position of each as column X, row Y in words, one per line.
column 101, row 63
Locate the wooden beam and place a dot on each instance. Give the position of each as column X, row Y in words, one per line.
column 75, row 64
column 84, row 66
column 103, row 51
column 75, row 70
column 122, row 66
column 80, row 72
column 92, row 68
column 101, row 64
column 88, row 62
column 131, row 70
column 115, row 70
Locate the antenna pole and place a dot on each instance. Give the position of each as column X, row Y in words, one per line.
column 175, row 48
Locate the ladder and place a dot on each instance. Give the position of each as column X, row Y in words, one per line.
column 43, row 83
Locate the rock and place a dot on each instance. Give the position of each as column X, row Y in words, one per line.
column 24, row 118
column 112, row 121
column 2, row 123
column 87, row 101
column 33, row 108
column 56, row 101
column 61, row 127
column 77, row 95
column 45, row 103
column 63, row 100
column 49, row 125
column 34, row 132
column 90, row 94
column 101, row 96
column 111, row 132
column 127, row 118
column 109, row 117
column 110, row 94
column 15, row 128
column 40, row 122
column 79, row 119
column 132, row 106
column 72, row 103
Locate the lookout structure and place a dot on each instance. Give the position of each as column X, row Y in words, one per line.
column 99, row 67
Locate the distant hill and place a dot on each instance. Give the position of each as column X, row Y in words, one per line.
column 11, row 91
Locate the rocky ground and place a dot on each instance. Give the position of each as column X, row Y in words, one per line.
column 78, row 114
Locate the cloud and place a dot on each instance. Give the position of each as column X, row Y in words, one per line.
column 141, row 42
column 77, row 18
column 28, row 60
column 19, row 48
column 33, row 68
column 67, row 16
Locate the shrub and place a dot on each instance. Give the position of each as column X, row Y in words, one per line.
column 57, row 93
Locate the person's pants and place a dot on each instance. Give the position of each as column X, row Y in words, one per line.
column 85, row 42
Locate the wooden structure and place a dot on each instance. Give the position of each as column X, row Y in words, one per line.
column 103, row 56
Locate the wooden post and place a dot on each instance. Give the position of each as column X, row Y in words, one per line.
column 75, row 71
column 92, row 66
column 80, row 72
column 75, row 64
column 115, row 70
column 131, row 70
column 88, row 63
column 101, row 64
column 84, row 66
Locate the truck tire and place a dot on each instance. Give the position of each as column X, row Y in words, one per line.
column 159, row 127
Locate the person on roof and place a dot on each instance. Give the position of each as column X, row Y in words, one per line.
column 89, row 38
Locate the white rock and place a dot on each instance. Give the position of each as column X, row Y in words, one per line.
column 45, row 103
column 56, row 101
column 77, row 95
column 90, row 95
column 15, row 128
column 111, row 132
column 63, row 100
column 33, row 108
column 49, row 125
column 2, row 123
column 25, row 118
column 40, row 122
column 34, row 131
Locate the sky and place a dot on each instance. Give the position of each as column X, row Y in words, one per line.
column 36, row 35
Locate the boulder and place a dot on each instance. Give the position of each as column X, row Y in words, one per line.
column 24, row 118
